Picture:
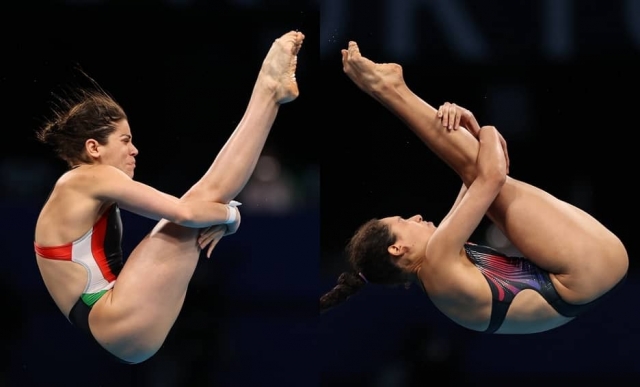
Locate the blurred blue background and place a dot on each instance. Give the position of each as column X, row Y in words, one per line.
column 558, row 78
column 183, row 71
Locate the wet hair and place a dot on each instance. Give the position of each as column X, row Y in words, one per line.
column 371, row 262
column 80, row 113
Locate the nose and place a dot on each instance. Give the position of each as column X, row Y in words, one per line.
column 416, row 218
column 134, row 150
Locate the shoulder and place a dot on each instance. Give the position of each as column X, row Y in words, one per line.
column 442, row 245
column 445, row 270
column 91, row 178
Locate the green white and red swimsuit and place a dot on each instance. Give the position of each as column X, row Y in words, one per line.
column 99, row 251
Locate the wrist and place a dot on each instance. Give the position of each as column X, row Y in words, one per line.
column 232, row 214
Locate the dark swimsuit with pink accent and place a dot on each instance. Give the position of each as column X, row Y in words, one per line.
column 507, row 276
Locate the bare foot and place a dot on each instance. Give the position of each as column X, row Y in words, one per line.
column 278, row 70
column 369, row 76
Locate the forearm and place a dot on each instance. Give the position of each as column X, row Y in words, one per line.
column 457, row 148
column 463, row 191
column 491, row 159
column 200, row 214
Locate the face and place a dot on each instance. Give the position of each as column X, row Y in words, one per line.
column 119, row 150
column 412, row 236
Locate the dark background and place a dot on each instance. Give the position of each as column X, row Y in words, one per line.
column 184, row 73
column 557, row 77
column 559, row 80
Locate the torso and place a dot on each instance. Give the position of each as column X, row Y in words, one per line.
column 68, row 215
column 458, row 290
column 461, row 292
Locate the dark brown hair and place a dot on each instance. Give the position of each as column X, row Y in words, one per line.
column 368, row 255
column 79, row 114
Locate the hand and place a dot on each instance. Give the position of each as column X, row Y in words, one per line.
column 211, row 236
column 454, row 117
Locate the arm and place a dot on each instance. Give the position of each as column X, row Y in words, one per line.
column 456, row 229
column 456, row 117
column 463, row 191
column 110, row 184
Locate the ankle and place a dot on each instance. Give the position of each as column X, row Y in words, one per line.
column 265, row 89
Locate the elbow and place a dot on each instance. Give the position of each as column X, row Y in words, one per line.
column 498, row 178
column 501, row 178
column 496, row 174
column 494, row 180
column 184, row 216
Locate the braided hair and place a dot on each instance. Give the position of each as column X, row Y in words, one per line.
column 371, row 262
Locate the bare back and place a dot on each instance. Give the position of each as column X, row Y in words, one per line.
column 69, row 213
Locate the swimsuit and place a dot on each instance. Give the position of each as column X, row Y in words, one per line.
column 99, row 251
column 507, row 276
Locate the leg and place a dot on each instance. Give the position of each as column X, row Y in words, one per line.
column 133, row 320
column 587, row 259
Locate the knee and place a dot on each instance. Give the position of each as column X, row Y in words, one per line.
column 621, row 259
column 614, row 260
column 139, row 355
column 136, row 349
column 132, row 340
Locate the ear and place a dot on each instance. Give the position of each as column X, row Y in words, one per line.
column 396, row 250
column 91, row 146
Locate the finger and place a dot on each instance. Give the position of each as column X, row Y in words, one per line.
column 440, row 111
column 354, row 51
column 452, row 115
column 213, row 244
column 205, row 233
column 205, row 239
column 445, row 114
column 204, row 242
column 471, row 123
column 345, row 54
column 456, row 124
column 206, row 230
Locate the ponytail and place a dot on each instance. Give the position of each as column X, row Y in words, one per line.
column 348, row 285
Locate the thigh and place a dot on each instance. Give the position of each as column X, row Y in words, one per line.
column 160, row 267
column 139, row 311
column 560, row 238
column 528, row 313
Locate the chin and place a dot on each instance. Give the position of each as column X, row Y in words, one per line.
column 129, row 170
